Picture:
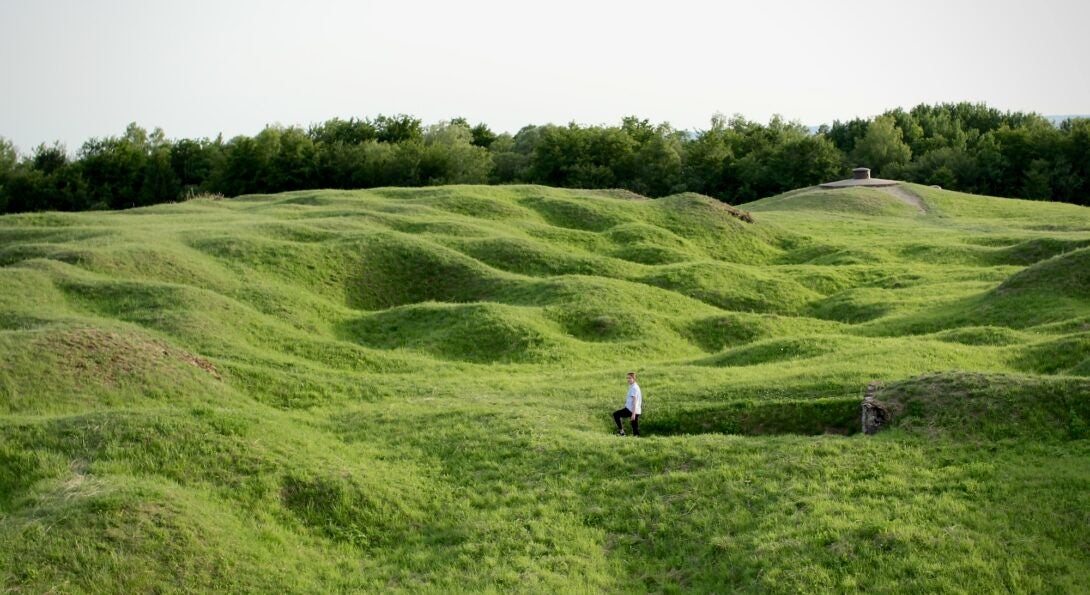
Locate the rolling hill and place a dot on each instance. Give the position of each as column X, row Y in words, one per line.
column 405, row 389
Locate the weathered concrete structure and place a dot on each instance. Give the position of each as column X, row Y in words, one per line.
column 860, row 177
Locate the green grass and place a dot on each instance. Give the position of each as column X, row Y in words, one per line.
column 410, row 389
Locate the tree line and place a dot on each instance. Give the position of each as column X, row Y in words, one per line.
column 962, row 146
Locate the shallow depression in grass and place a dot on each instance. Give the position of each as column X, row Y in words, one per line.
column 411, row 390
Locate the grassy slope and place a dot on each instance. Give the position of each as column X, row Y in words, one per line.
column 397, row 389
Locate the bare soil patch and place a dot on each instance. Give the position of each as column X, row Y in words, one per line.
column 110, row 354
column 905, row 196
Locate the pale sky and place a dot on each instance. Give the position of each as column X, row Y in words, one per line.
column 74, row 69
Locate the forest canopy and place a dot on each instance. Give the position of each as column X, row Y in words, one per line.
column 959, row 146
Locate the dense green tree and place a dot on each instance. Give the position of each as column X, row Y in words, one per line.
column 556, row 153
column 48, row 159
column 641, row 131
column 507, row 164
column 1076, row 150
column 990, row 164
column 483, row 135
column 242, row 167
column 911, row 131
column 1067, row 186
column 590, row 157
column 194, row 160
column 708, row 159
column 349, row 132
column 114, row 167
column 512, row 156
column 948, row 167
column 9, row 159
column 364, row 165
column 451, row 157
column 881, row 147
column 806, row 161
column 292, row 162
column 845, row 134
column 9, row 156
column 407, row 165
column 657, row 167
column 336, row 164
column 46, row 180
column 398, row 128
column 1037, row 180
column 941, row 128
column 1029, row 149
column 160, row 183
column 960, row 146
column 25, row 190
column 380, row 166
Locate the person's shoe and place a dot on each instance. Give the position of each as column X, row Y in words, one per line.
column 620, row 433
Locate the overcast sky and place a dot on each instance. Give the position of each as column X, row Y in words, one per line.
column 70, row 70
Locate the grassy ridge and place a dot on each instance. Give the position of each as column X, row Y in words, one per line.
column 410, row 388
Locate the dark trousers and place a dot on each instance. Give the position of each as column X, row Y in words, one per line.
column 618, row 414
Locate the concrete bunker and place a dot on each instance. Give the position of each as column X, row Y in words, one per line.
column 860, row 177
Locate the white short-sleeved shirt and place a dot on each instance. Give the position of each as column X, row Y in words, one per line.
column 634, row 402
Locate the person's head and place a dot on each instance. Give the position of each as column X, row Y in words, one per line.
column 631, row 377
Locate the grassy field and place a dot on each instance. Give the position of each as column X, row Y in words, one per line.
column 406, row 389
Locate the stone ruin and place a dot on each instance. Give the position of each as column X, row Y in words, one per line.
column 875, row 414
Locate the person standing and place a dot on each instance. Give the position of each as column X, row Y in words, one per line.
column 633, row 407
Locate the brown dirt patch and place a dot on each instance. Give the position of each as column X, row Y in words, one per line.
column 733, row 211
column 738, row 213
column 905, row 196
column 111, row 355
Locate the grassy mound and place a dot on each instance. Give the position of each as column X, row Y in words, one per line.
column 982, row 335
column 527, row 257
column 1049, row 291
column 93, row 368
column 579, row 213
column 849, row 201
column 152, row 530
column 1031, row 215
column 480, row 332
column 1067, row 275
column 991, row 406
column 1037, row 249
column 410, row 390
column 400, row 270
column 600, row 322
column 853, row 305
column 774, row 350
column 733, row 287
column 469, row 201
column 735, row 329
column 210, row 496
column 648, row 244
column 1067, row 355
column 714, row 228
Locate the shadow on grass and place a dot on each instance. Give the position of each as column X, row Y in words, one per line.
column 807, row 418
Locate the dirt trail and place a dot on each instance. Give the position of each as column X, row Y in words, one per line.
column 904, row 196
